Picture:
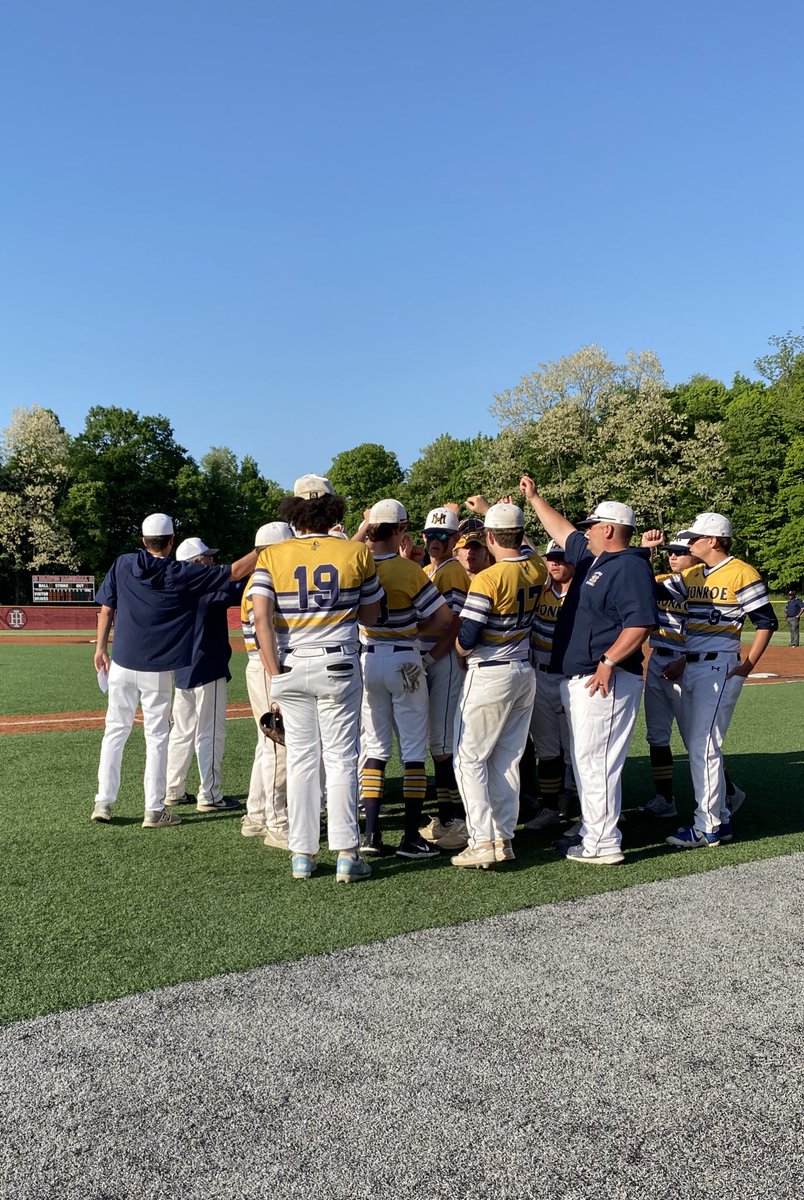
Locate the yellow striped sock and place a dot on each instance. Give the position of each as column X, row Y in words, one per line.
column 371, row 784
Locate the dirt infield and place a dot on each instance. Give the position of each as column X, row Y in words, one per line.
column 68, row 721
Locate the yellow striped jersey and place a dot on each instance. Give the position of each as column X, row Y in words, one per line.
column 247, row 621
column 453, row 584
column 671, row 601
column 501, row 602
column 548, row 606
column 409, row 598
column 718, row 600
column 317, row 583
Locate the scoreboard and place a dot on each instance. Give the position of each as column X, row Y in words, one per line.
column 63, row 589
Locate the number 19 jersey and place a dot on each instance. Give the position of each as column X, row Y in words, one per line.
column 317, row 583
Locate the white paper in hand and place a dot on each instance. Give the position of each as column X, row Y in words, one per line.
column 103, row 680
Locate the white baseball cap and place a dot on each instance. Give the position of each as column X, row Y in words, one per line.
column 157, row 525
column 273, row 532
column 310, row 487
column 709, row 525
column 192, row 548
column 554, row 551
column 678, row 545
column 610, row 512
column 505, row 516
column 387, row 512
column 441, row 520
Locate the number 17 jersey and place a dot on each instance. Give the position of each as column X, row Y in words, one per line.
column 317, row 583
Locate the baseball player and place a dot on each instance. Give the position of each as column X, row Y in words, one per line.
column 608, row 613
column 152, row 602
column 720, row 591
column 549, row 728
column 394, row 684
column 444, row 678
column 663, row 691
column 470, row 548
column 491, row 724
column 267, row 805
column 308, row 594
column 199, row 701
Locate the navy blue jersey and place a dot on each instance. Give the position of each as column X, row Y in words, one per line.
column 608, row 594
column 211, row 648
column 155, row 601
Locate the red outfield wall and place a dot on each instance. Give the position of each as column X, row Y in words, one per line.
column 36, row 618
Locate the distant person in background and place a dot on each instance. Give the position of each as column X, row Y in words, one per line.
column 792, row 611
column 151, row 601
column 199, row 701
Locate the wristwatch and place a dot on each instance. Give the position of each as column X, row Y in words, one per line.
column 607, row 662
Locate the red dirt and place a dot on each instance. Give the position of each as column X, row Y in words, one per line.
column 52, row 722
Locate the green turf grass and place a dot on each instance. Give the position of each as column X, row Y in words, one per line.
column 91, row 912
column 61, row 678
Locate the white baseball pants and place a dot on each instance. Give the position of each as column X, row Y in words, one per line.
column 709, row 700
column 390, row 702
column 267, row 794
column 663, row 703
column 491, row 728
column 319, row 696
column 127, row 689
column 444, row 682
column 601, row 728
column 548, row 726
column 199, row 727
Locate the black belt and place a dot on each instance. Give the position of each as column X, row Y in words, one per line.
column 499, row 662
column 397, row 649
column 702, row 657
column 665, row 653
column 542, row 666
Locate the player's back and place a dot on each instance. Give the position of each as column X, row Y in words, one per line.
column 504, row 599
column 318, row 582
column 410, row 597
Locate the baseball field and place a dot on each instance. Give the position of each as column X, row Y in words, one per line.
column 94, row 912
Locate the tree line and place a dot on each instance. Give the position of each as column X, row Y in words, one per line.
column 585, row 427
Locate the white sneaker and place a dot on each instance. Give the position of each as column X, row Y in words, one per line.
column 659, row 807
column 545, row 819
column 735, row 800
column 101, row 812
column 455, row 835
column 609, row 858
column 160, row 819
column 482, row 855
column 433, row 830
column 249, row 827
column 276, row 838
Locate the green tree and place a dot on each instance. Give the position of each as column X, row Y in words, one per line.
column 224, row 502
column 34, row 475
column 362, row 475
column 124, row 466
column 449, row 470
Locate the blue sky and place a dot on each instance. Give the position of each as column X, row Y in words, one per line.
column 294, row 227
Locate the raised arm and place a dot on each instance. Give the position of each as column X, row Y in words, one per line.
column 556, row 525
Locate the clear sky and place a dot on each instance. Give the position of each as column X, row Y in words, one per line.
column 295, row 225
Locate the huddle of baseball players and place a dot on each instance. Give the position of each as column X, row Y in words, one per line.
column 486, row 650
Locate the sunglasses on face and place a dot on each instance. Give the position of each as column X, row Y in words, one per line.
column 430, row 536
